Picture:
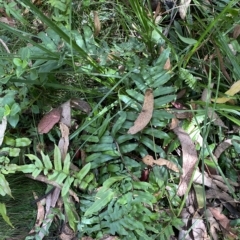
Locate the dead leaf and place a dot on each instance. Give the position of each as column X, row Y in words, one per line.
column 49, row 120
column 183, row 7
column 64, row 140
column 167, row 65
column 3, row 127
column 221, row 218
column 212, row 223
column 194, row 225
column 97, row 24
column 40, row 213
column 81, row 105
column 67, row 233
column 236, row 31
column 235, row 88
column 66, row 113
column 148, row 160
column 9, row 21
column 222, row 147
column 215, row 118
column 189, row 158
column 146, row 114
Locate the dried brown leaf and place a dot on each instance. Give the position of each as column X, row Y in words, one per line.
column 81, row 105
column 221, row 218
column 49, row 120
column 66, row 113
column 222, row 147
column 40, row 213
column 215, row 118
column 146, row 114
column 183, row 7
column 148, row 160
column 97, row 24
column 64, row 140
column 190, row 159
column 236, row 31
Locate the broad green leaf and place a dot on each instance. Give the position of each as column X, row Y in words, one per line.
column 66, row 164
column 70, row 211
column 36, row 172
column 9, row 141
column 119, row 122
column 104, row 126
column 4, row 186
column 108, row 183
column 89, row 138
column 84, row 171
column 46, row 160
column 189, row 41
column 163, row 91
column 3, row 212
column 101, row 147
column 142, row 185
column 160, row 102
column 136, row 95
column 14, row 152
column 143, row 235
column 15, row 108
column 66, row 186
column 28, row 168
column 23, row 142
column 125, row 148
column 13, row 120
column 57, row 159
column 103, row 197
column 129, row 102
column 60, row 178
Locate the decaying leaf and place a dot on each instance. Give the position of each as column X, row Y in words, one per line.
column 183, row 7
column 146, row 114
column 222, row 147
column 148, row 160
column 213, row 224
column 40, row 213
column 167, row 65
column 236, row 31
column 66, row 113
column 67, row 233
column 3, row 127
column 49, row 120
column 81, row 105
column 189, row 158
column 221, row 218
column 64, row 140
column 97, row 24
column 215, row 118
column 235, row 88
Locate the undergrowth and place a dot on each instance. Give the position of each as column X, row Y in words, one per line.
column 52, row 54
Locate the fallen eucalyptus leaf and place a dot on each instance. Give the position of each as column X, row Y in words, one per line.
column 146, row 114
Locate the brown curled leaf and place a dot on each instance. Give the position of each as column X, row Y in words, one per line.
column 146, row 114
column 49, row 120
column 148, row 160
column 97, row 24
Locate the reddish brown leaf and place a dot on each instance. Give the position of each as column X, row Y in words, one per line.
column 49, row 120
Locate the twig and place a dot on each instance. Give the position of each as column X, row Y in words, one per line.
column 4, row 45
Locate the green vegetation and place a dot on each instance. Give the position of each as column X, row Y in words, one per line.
column 114, row 57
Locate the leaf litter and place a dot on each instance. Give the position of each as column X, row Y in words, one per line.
column 146, row 114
